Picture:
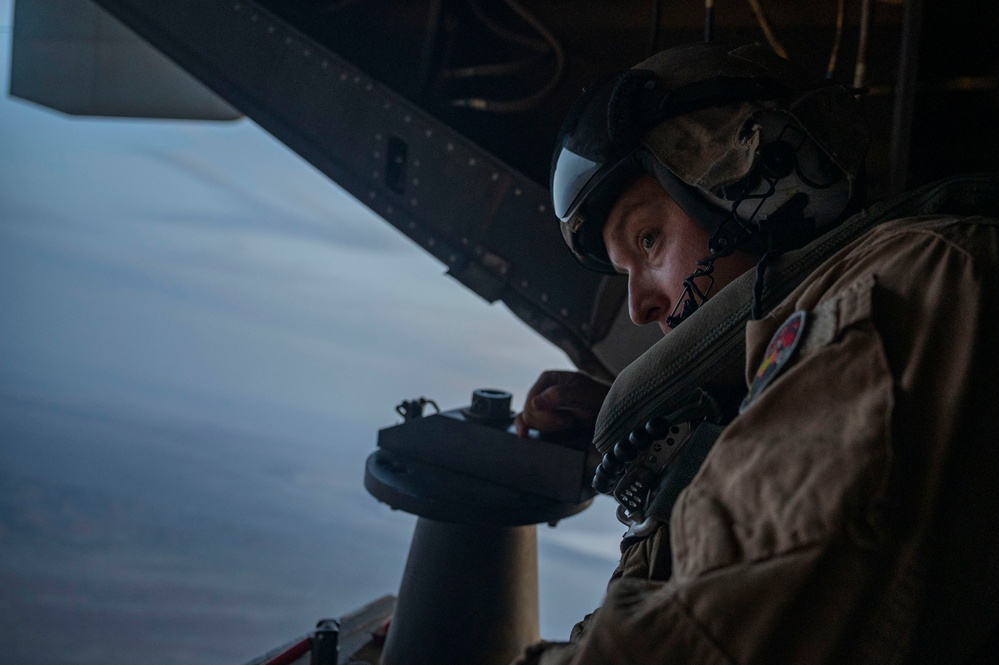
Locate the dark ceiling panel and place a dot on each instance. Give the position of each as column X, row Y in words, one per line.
column 441, row 115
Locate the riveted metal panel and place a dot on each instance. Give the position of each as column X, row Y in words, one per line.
column 488, row 223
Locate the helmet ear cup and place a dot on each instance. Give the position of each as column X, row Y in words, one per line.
column 792, row 192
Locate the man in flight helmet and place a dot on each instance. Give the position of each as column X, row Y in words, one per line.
column 806, row 462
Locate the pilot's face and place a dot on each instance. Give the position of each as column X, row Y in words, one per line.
column 652, row 241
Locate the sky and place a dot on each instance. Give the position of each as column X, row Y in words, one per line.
column 200, row 336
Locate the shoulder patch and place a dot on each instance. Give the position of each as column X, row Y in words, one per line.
column 778, row 355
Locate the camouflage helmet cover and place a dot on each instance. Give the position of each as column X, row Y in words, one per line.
column 690, row 117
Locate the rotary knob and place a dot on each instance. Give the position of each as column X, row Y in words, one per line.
column 490, row 407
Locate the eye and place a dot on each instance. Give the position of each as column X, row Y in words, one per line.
column 648, row 241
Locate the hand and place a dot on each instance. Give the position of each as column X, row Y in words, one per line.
column 546, row 653
column 560, row 401
column 532, row 653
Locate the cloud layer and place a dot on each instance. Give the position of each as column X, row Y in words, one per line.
column 200, row 336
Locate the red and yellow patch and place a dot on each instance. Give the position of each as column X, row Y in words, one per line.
column 777, row 356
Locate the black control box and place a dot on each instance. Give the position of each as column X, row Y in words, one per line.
column 479, row 441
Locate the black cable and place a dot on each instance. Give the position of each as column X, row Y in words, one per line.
column 497, row 69
column 505, row 34
column 524, row 103
column 333, row 7
column 654, row 34
column 709, row 20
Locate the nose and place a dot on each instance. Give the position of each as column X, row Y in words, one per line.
column 645, row 303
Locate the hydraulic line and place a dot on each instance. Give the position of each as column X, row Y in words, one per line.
column 860, row 69
column 838, row 40
column 524, row 103
column 905, row 93
column 504, row 33
column 510, row 68
column 764, row 23
column 497, row 69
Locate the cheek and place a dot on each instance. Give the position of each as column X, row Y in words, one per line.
column 679, row 263
column 690, row 245
column 669, row 276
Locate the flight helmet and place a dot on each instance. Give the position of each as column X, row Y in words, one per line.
column 762, row 156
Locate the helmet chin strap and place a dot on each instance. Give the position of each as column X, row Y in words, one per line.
column 694, row 295
column 719, row 245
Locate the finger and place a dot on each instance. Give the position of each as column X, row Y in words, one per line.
column 559, row 400
column 578, row 397
column 520, row 426
column 546, row 380
column 547, row 421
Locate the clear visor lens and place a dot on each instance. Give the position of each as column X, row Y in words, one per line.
column 572, row 173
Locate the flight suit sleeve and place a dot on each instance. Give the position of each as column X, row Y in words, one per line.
column 805, row 537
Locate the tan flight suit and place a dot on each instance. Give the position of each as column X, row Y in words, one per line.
column 851, row 513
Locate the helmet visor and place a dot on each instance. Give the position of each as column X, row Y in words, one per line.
column 588, row 147
column 570, row 177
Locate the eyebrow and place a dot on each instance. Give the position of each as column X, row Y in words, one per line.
column 619, row 232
